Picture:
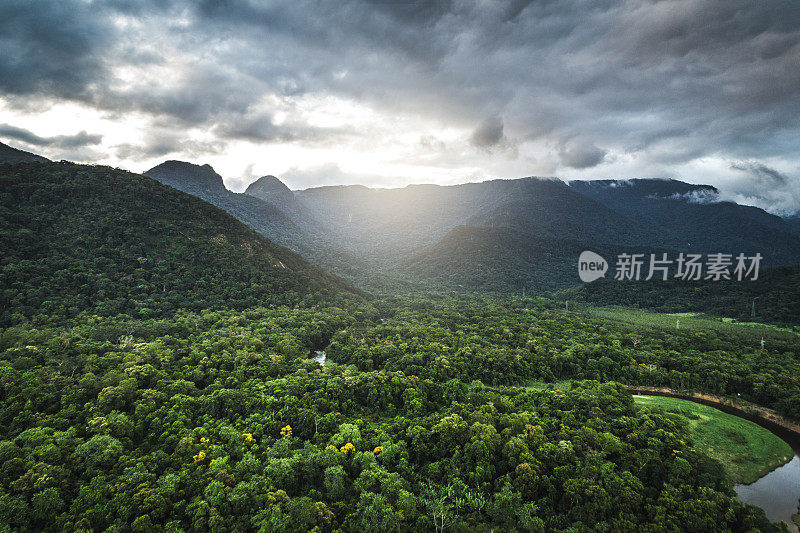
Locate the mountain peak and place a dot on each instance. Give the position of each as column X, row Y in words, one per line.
column 187, row 177
column 14, row 155
column 266, row 185
column 270, row 189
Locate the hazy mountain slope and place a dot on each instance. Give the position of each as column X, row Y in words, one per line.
column 690, row 217
column 794, row 224
column 390, row 223
column 504, row 259
column 274, row 191
column 269, row 209
column 370, row 234
column 549, row 208
column 395, row 222
column 13, row 155
column 103, row 241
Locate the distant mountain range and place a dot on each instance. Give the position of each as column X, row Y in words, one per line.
column 496, row 235
column 499, row 234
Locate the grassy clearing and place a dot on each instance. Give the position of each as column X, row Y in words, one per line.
column 751, row 331
column 745, row 449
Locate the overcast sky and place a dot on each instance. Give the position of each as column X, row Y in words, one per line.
column 386, row 94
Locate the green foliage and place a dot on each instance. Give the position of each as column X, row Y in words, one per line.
column 83, row 240
column 775, row 293
column 152, row 430
column 157, row 373
column 514, row 341
column 746, row 450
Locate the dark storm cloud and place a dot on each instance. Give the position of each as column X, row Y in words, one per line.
column 488, row 133
column 51, row 48
column 764, row 174
column 78, row 140
column 581, row 155
column 261, row 127
column 665, row 82
column 161, row 144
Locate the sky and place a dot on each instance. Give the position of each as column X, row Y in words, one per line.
column 389, row 93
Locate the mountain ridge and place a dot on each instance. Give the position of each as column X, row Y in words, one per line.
column 11, row 155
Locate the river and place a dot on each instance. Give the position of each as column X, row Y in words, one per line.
column 319, row 357
column 777, row 493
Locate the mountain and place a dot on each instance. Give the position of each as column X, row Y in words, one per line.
column 395, row 234
column 13, row 155
column 390, row 224
column 393, row 223
column 793, row 223
column 551, row 209
column 690, row 217
column 270, row 188
column 91, row 240
column 205, row 183
column 194, row 179
column 504, row 260
column 494, row 259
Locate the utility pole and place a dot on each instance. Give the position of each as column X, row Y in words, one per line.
column 753, row 309
column 677, row 323
column 762, row 343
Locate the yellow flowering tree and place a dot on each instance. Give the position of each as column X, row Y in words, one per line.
column 286, row 431
column 347, row 448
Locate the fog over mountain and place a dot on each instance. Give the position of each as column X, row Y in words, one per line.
column 387, row 94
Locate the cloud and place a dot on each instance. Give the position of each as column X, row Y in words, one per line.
column 164, row 143
column 763, row 186
column 763, row 174
column 51, row 48
column 489, row 133
column 78, row 140
column 659, row 85
column 581, row 155
column 327, row 174
column 698, row 196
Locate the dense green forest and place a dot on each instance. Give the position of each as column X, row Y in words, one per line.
column 506, row 341
column 157, row 372
column 218, row 421
column 774, row 297
column 85, row 240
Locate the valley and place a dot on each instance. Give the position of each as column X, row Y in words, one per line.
column 157, row 350
column 370, row 266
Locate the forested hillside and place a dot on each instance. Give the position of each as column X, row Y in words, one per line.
column 13, row 155
column 85, row 240
column 501, row 260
